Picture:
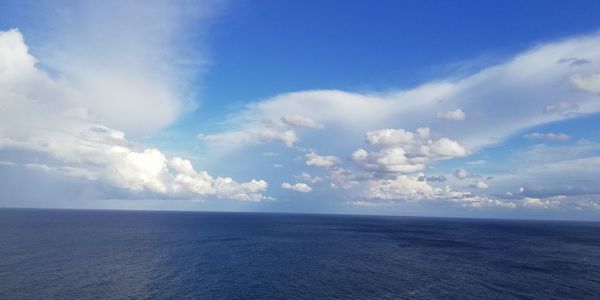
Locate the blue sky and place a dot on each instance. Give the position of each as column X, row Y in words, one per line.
column 408, row 108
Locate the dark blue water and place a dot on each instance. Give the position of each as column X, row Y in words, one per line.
column 64, row 254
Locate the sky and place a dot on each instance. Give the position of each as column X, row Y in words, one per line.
column 421, row 108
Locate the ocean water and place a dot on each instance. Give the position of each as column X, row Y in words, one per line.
column 77, row 254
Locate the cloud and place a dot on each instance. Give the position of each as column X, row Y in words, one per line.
column 462, row 174
column 298, row 187
column 534, row 75
column 410, row 188
column 479, row 185
column 439, row 178
column 573, row 61
column 40, row 167
column 589, row 83
column 7, row 163
column 562, row 108
column 404, row 151
column 44, row 116
column 550, row 202
column 300, row 121
column 307, row 177
column 560, row 137
column 315, row 160
column 127, row 64
column 402, row 187
column 255, row 137
column 454, row 115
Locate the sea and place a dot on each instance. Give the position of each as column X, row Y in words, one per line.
column 101, row 254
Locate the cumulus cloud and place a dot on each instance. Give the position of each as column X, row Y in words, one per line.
column 44, row 116
column 307, row 177
column 550, row 202
column 315, row 160
column 404, row 151
column 560, row 137
column 300, row 121
column 410, row 188
column 298, row 187
column 402, row 187
column 454, row 115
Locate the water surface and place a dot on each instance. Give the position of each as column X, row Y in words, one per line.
column 77, row 254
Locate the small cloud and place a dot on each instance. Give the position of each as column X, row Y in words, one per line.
column 270, row 154
column 548, row 202
column 589, row 83
column 433, row 178
column 287, row 137
column 476, row 162
column 462, row 174
column 39, row 167
column 562, row 108
column 479, row 185
column 300, row 121
column 559, row 137
column 306, row 177
column 6, row 163
column 298, row 187
column 277, row 166
column 315, row 160
column 454, row 115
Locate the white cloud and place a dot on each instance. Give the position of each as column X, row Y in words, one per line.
column 287, row 137
column 549, row 202
column 300, row 121
column 44, row 116
column 40, row 167
column 393, row 137
column 298, row 187
column 410, row 188
column 561, row 137
column 479, row 184
column 461, row 174
column 257, row 136
column 404, row 151
column 589, row 83
column 454, row 115
column 402, row 187
column 534, row 75
column 562, row 108
column 7, row 163
column 126, row 64
column 315, row 160
column 307, row 177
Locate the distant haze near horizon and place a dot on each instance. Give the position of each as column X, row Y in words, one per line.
column 422, row 108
